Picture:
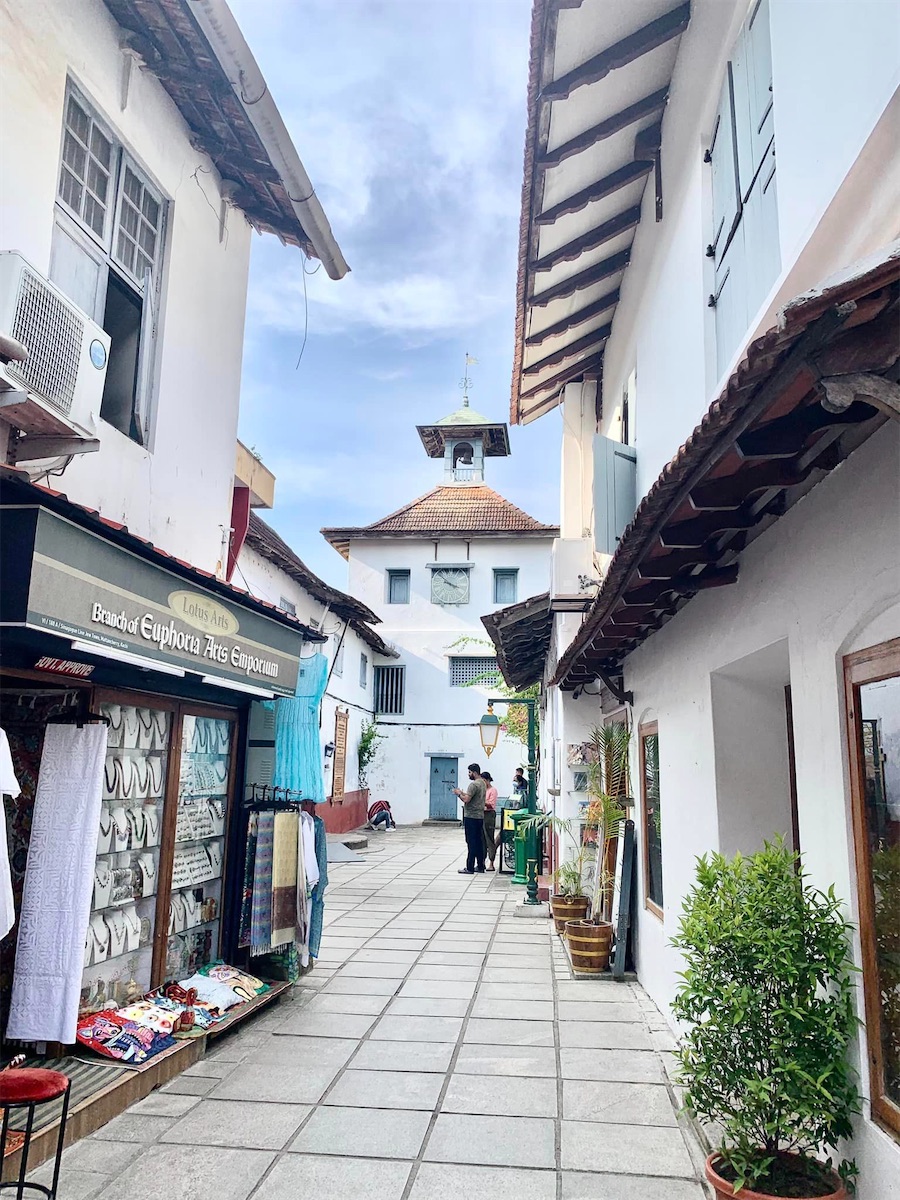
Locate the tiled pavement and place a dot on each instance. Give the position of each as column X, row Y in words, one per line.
column 440, row 1048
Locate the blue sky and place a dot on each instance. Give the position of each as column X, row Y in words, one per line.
column 409, row 116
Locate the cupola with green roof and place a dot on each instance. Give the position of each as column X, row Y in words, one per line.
column 463, row 440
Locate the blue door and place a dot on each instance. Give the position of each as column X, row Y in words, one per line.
column 443, row 805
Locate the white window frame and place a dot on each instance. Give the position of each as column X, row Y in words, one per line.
column 101, row 250
column 396, row 574
column 363, row 670
column 338, row 661
column 287, row 606
column 506, row 572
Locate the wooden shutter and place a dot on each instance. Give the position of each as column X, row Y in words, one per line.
column 725, row 176
column 339, row 778
column 615, row 491
column 260, row 768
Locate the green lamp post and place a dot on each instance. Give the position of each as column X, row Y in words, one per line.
column 489, row 731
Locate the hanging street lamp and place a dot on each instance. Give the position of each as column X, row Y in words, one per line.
column 489, row 730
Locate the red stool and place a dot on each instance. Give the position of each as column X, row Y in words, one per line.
column 28, row 1088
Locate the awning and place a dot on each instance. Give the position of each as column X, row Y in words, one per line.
column 88, row 581
column 598, row 87
column 807, row 394
column 521, row 632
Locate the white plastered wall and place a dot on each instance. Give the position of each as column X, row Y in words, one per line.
column 825, row 578
column 178, row 493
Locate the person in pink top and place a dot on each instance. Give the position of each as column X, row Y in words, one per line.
column 490, row 821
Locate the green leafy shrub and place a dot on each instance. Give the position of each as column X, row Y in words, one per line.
column 767, row 994
column 369, row 737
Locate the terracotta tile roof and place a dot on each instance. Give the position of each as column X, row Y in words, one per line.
column 477, row 511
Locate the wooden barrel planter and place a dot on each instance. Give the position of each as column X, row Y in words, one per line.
column 568, row 908
column 589, row 945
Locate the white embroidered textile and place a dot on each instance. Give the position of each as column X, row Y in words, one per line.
column 59, row 879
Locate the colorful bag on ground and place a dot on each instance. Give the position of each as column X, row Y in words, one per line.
column 116, row 1037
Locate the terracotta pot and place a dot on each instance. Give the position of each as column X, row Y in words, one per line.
column 724, row 1190
column 568, row 908
column 589, row 945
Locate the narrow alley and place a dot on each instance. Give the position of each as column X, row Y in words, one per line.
column 440, row 1048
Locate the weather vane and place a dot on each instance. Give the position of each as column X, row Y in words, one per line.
column 465, row 383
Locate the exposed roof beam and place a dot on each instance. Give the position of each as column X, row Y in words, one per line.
column 604, row 129
column 787, row 436
column 623, row 52
column 697, row 532
column 620, row 223
column 591, row 275
column 610, row 300
column 623, row 177
column 558, row 356
column 565, row 376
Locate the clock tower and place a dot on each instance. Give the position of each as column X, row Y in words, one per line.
column 431, row 571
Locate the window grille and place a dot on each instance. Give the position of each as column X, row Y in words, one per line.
column 506, row 586
column 287, row 606
column 87, row 166
column 398, row 587
column 464, row 671
column 390, row 687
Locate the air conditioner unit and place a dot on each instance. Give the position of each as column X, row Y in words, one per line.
column 59, row 387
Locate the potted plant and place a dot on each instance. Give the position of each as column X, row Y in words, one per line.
column 590, row 940
column 586, row 868
column 767, row 998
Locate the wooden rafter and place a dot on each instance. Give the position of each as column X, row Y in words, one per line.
column 596, row 336
column 563, row 377
column 597, row 133
column 616, row 180
column 586, row 278
column 625, row 51
column 610, row 300
column 621, row 223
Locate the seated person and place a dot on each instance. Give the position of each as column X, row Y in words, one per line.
column 379, row 816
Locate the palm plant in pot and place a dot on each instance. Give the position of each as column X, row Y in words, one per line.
column 767, row 999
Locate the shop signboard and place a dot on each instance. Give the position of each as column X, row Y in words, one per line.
column 65, row 580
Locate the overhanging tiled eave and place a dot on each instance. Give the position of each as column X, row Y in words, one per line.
column 598, row 87
column 809, row 392
column 521, row 633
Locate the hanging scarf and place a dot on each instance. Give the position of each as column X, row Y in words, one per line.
column 284, row 878
column 261, row 908
column 317, row 911
column 247, row 892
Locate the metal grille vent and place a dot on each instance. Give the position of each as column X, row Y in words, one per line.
column 389, row 688
column 53, row 333
column 464, row 671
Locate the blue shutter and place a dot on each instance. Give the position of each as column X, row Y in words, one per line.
column 615, row 491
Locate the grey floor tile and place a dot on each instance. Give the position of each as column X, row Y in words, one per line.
column 396, row 942
column 373, row 970
column 539, row 1061
column 517, row 975
column 446, row 974
column 594, row 991
column 132, row 1127
column 316, row 1175
column 625, row 1149
column 325, row 1024
column 488, row 1032
column 500, row 1096
column 190, row 1085
column 198, row 1172
column 417, row 1029
column 576, row 1186
column 363, row 1132
column 330, row 1002
column 515, row 991
column 404, row 1056
column 617, row 1103
column 604, row 1035
column 349, row 985
column 427, row 1006
column 73, row 1185
column 626, row 1066
column 377, row 954
column 513, row 1010
column 242, row 1124
column 288, row 1083
column 162, row 1104
column 441, row 958
column 519, row 958
column 450, row 989
column 386, row 1089
column 575, row 1010
column 438, row 1181
column 100, row 1157
column 492, row 1141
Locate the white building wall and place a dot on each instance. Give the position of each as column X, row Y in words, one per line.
column 825, row 597
column 837, row 124
column 343, row 690
column 177, row 493
column 439, row 719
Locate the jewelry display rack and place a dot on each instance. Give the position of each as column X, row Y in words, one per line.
column 119, row 951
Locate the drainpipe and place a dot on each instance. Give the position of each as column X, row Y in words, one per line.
column 224, row 36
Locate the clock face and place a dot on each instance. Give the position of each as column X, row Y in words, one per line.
column 450, row 585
